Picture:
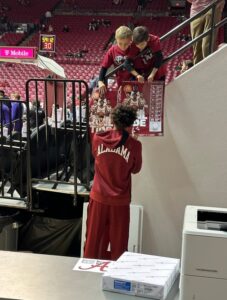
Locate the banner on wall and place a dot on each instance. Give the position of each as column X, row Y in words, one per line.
column 147, row 99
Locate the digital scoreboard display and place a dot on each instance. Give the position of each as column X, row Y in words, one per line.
column 47, row 43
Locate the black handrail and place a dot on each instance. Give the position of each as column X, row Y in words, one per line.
column 189, row 44
column 188, row 21
column 210, row 31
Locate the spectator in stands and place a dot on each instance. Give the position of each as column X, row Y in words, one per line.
column 24, row 2
column 4, row 7
column 106, row 23
column 117, row 2
column 4, row 109
column 69, row 53
column 43, row 27
column 139, row 5
column 149, row 62
column 93, row 25
column 52, row 55
column 48, row 16
column 74, row 5
column 65, row 28
column 4, row 97
column 116, row 56
column 184, row 37
column 85, row 49
column 102, row 22
column 17, row 112
column 90, row 26
column 37, row 115
column 79, row 54
column 69, row 114
column 92, row 83
column 2, row 94
column 3, row 18
column 201, row 49
column 131, row 25
column 117, row 155
column 184, row 65
column 50, row 28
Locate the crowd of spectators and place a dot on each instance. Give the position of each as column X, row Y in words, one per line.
column 14, row 112
column 117, row 2
column 46, row 28
column 24, row 2
column 4, row 23
column 184, row 37
column 80, row 53
column 70, row 4
column 95, row 24
column 141, row 5
column 4, row 7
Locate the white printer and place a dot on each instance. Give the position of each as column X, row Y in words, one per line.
column 204, row 254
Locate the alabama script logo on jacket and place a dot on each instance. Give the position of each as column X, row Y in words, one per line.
column 122, row 151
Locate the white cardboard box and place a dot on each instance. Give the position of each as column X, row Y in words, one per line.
column 141, row 275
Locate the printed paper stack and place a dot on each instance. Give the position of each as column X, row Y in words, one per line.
column 141, row 275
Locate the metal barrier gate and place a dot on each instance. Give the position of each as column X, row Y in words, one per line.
column 12, row 150
column 44, row 142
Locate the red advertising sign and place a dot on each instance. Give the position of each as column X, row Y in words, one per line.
column 147, row 99
column 17, row 52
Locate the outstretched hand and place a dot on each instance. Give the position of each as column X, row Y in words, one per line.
column 150, row 79
column 102, row 88
column 140, row 78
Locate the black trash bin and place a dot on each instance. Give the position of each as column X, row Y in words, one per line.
column 8, row 230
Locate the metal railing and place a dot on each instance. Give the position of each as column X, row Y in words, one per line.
column 51, row 151
column 66, row 150
column 210, row 31
column 12, row 149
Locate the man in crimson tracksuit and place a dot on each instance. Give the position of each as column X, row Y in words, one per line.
column 117, row 155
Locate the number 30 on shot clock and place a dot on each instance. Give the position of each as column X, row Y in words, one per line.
column 47, row 42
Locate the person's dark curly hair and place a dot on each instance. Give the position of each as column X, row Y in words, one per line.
column 123, row 116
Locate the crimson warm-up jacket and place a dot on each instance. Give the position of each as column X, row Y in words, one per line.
column 114, row 164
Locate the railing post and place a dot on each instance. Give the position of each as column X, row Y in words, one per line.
column 212, row 33
column 28, row 149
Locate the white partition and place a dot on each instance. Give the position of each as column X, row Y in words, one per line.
column 188, row 166
column 135, row 228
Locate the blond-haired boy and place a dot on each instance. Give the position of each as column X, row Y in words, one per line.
column 116, row 56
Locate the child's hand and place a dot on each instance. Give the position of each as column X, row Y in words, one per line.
column 140, row 78
column 150, row 79
column 135, row 133
column 102, row 88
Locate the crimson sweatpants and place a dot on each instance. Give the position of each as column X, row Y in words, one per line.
column 106, row 224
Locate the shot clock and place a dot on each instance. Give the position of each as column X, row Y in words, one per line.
column 47, row 42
